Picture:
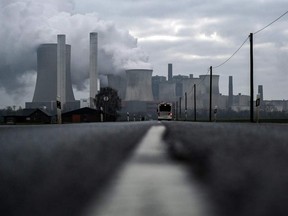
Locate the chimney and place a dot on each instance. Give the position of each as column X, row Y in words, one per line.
column 260, row 92
column 93, row 67
column 170, row 72
column 230, row 96
column 61, row 69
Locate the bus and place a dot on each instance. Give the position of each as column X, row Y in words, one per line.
column 165, row 111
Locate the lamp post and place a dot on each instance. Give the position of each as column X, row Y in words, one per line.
column 106, row 99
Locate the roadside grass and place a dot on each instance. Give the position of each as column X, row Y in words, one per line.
column 243, row 166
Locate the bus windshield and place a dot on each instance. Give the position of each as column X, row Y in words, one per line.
column 165, row 111
column 165, row 108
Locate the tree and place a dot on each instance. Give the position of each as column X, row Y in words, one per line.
column 108, row 100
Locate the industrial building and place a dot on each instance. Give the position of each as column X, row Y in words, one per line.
column 50, row 84
column 139, row 91
column 54, row 76
column 139, row 100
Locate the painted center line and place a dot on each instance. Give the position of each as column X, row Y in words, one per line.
column 150, row 184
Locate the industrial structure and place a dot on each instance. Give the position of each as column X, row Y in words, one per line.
column 118, row 82
column 93, row 73
column 54, row 78
column 139, row 85
column 140, row 92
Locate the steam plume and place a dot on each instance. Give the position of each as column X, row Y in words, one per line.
column 25, row 24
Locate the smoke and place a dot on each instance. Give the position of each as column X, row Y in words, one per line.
column 25, row 24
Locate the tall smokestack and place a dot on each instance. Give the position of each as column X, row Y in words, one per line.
column 230, row 97
column 260, row 92
column 170, row 72
column 61, row 69
column 93, row 67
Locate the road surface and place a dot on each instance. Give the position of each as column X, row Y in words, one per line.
column 151, row 184
column 144, row 168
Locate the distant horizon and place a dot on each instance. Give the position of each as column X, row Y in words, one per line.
column 81, row 95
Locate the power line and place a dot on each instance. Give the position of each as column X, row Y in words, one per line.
column 271, row 23
column 248, row 38
column 232, row 54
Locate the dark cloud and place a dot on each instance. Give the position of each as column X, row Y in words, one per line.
column 25, row 24
column 191, row 34
column 196, row 34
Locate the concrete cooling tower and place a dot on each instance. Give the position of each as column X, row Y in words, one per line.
column 206, row 84
column 202, row 91
column 188, row 87
column 205, row 90
column 46, row 84
column 139, row 85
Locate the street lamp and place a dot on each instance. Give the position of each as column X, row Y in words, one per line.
column 106, row 99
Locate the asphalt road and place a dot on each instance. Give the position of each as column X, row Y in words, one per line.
column 144, row 168
column 57, row 170
column 151, row 184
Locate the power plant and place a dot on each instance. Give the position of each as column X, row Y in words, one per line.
column 139, row 91
column 54, row 76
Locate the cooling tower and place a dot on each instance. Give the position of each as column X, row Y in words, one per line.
column 139, row 85
column 93, row 67
column 205, row 79
column 204, row 90
column 46, row 83
column 188, row 86
column 118, row 83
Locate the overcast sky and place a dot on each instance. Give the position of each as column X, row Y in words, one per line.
column 193, row 35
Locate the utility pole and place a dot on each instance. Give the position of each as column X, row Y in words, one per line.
column 210, row 107
column 251, row 80
column 194, row 102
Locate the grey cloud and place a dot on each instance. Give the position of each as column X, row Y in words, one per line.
column 25, row 24
column 146, row 18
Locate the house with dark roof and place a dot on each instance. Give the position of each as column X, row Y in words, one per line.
column 29, row 116
column 86, row 114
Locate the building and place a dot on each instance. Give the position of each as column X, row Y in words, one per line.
column 29, row 116
column 46, row 93
column 156, row 80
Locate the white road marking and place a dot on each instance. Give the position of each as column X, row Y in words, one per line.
column 151, row 185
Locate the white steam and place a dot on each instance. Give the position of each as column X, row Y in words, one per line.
column 27, row 23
